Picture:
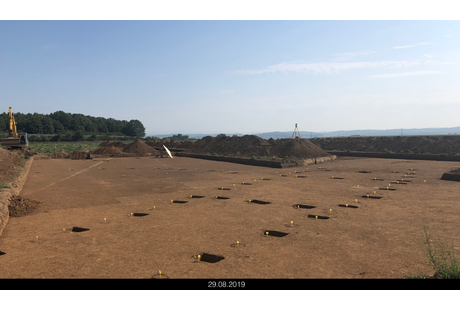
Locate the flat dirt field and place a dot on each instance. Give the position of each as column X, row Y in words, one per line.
column 382, row 238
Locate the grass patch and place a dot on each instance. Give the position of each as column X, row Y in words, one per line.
column 67, row 147
column 442, row 258
column 4, row 185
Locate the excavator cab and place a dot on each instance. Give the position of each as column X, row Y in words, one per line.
column 21, row 142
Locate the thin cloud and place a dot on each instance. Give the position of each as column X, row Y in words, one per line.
column 428, row 56
column 413, row 45
column 355, row 54
column 449, row 63
column 414, row 73
column 404, row 46
column 325, row 67
column 446, row 35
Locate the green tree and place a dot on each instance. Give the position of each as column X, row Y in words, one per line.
column 92, row 138
column 101, row 125
column 221, row 135
column 56, row 138
column 34, row 125
column 3, row 124
column 78, row 136
column 47, row 124
column 78, row 122
column 64, row 118
column 58, row 127
column 134, row 128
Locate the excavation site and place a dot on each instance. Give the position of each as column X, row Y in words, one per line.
column 130, row 211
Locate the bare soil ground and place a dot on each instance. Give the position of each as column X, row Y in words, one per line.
column 382, row 238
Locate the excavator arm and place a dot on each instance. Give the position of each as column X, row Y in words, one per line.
column 12, row 124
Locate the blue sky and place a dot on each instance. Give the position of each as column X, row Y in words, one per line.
column 236, row 76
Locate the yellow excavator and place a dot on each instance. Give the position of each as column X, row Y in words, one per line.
column 14, row 140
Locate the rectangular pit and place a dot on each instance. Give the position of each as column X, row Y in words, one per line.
column 301, row 206
column 211, row 258
column 196, row 196
column 275, row 233
column 178, row 201
column 319, row 217
column 348, row 206
column 140, row 214
column 387, row 189
column 220, row 197
column 259, row 202
column 371, row 197
column 79, row 229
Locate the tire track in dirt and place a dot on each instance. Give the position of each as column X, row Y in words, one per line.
column 66, row 178
column 160, row 162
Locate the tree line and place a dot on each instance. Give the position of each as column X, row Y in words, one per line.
column 70, row 124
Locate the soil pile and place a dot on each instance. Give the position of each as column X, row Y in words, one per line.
column 297, row 148
column 9, row 160
column 106, row 143
column 452, row 175
column 108, row 150
column 186, row 145
column 139, row 147
column 117, row 144
column 448, row 145
column 60, row 155
column 79, row 155
column 6, row 154
column 25, row 152
column 151, row 143
column 20, row 206
column 250, row 145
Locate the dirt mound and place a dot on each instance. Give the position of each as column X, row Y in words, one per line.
column 6, row 154
column 79, row 155
column 186, row 145
column 108, row 150
column 117, row 144
column 139, row 147
column 9, row 161
column 452, row 175
column 20, row 206
column 297, row 148
column 448, row 145
column 106, row 143
column 250, row 145
column 151, row 143
column 60, row 155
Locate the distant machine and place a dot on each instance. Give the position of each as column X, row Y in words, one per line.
column 296, row 133
column 14, row 140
